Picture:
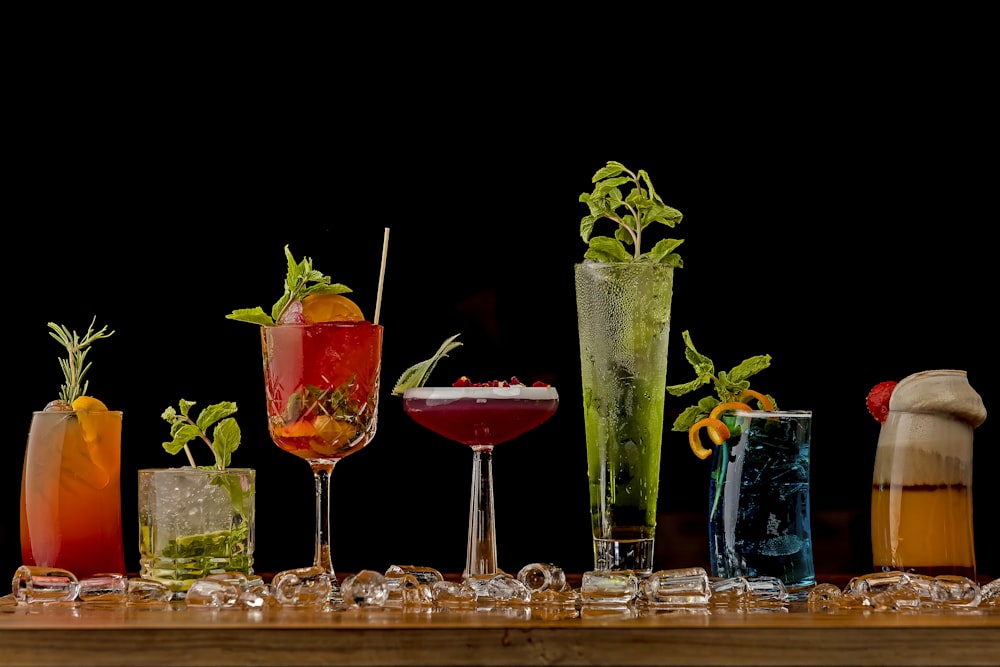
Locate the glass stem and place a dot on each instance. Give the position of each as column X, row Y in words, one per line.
column 481, row 554
column 321, row 474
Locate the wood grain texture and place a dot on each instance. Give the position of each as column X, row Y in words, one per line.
column 85, row 635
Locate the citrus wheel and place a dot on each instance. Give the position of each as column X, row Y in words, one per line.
column 330, row 308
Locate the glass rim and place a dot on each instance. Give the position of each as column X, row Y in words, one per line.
column 73, row 412
column 757, row 414
column 516, row 391
column 338, row 324
column 190, row 469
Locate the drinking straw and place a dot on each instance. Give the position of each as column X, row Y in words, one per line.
column 381, row 275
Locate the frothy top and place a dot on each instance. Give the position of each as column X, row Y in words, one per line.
column 945, row 391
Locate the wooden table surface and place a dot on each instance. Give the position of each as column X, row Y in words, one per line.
column 74, row 634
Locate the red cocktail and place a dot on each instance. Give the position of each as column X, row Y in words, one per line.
column 481, row 417
column 321, row 381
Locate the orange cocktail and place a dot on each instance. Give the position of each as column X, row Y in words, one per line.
column 70, row 492
column 924, row 528
column 921, row 506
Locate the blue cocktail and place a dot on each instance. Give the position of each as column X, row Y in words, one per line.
column 759, row 499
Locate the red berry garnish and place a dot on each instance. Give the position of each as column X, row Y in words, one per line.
column 464, row 381
column 878, row 400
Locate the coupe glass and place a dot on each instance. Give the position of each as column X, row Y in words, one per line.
column 322, row 383
column 481, row 417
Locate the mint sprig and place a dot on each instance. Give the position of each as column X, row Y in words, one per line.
column 417, row 374
column 638, row 209
column 225, row 438
column 75, row 365
column 728, row 385
column 301, row 280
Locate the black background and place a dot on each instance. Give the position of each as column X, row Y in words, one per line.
column 838, row 216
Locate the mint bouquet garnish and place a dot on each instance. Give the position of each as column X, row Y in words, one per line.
column 638, row 209
column 301, row 280
column 225, row 438
column 729, row 385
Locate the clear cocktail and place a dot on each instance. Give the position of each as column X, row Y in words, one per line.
column 195, row 522
column 481, row 417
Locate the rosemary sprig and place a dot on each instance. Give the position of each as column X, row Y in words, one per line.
column 75, row 365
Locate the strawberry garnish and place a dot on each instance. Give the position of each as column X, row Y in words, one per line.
column 878, row 400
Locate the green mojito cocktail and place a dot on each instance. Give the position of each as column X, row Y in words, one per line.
column 623, row 311
column 195, row 522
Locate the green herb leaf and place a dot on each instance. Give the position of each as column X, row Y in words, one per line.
column 75, row 365
column 727, row 385
column 417, row 374
column 225, row 438
column 640, row 207
column 301, row 280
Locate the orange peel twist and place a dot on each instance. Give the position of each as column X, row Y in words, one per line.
column 765, row 402
column 718, row 432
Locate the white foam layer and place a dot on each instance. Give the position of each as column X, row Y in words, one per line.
column 924, row 448
column 452, row 393
column 942, row 391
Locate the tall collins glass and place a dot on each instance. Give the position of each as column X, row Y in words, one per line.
column 623, row 311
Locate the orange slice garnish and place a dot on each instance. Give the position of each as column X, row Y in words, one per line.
column 84, row 405
column 296, row 429
column 330, row 308
column 89, row 403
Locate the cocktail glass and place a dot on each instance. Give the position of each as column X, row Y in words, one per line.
column 71, row 494
column 481, row 417
column 623, row 310
column 195, row 522
column 921, row 506
column 759, row 518
column 322, row 383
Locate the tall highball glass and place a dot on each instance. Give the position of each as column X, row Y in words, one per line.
column 623, row 311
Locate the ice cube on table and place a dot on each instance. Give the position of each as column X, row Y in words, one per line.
column 366, row 588
column 32, row 583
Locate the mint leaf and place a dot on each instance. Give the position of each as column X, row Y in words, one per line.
column 225, row 438
column 633, row 213
column 214, row 413
column 727, row 385
column 252, row 315
column 301, row 280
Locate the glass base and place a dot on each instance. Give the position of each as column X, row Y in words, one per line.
column 635, row 555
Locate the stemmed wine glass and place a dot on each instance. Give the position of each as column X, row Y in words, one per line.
column 322, row 383
column 481, row 417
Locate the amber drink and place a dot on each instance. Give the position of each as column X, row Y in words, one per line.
column 921, row 506
column 70, row 492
